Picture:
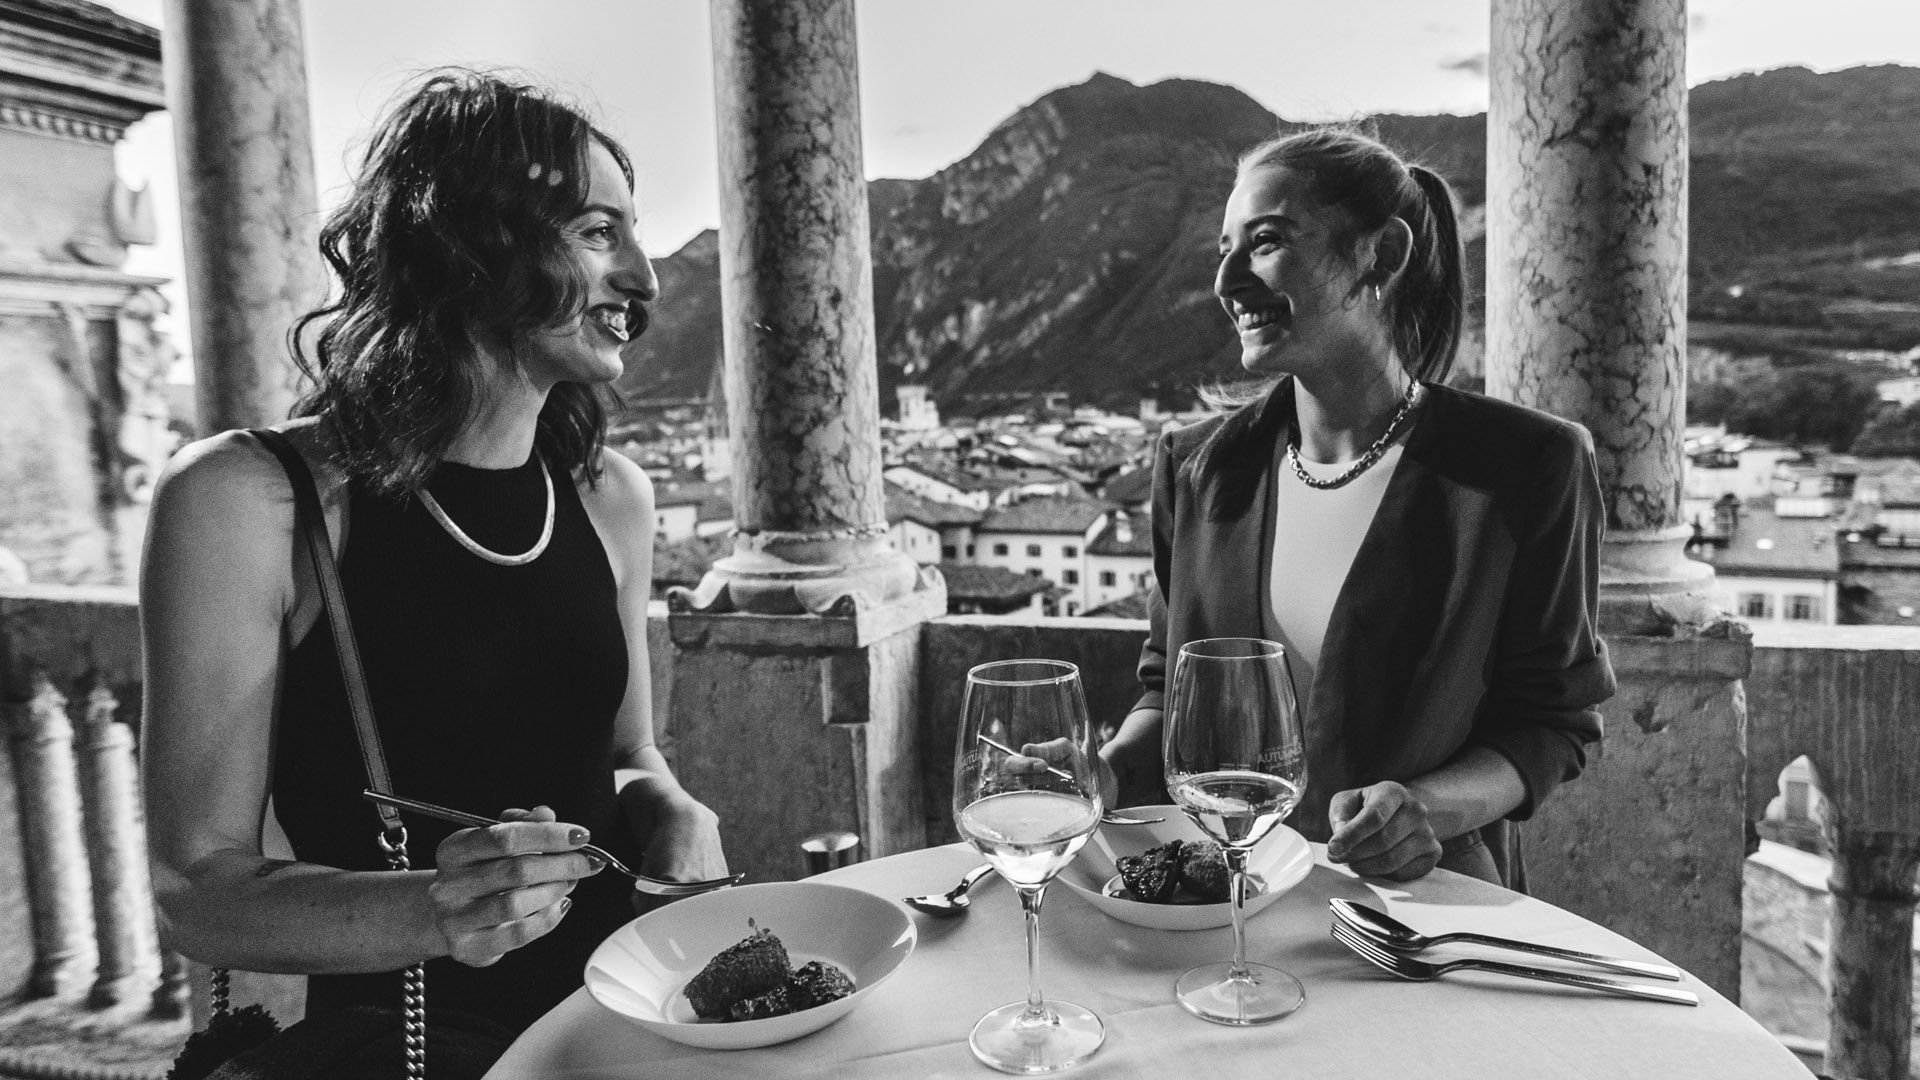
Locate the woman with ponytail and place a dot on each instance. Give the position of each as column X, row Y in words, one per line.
column 1429, row 557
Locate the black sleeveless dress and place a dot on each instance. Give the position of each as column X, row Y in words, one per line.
column 493, row 687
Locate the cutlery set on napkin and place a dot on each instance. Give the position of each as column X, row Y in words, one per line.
column 1391, row 945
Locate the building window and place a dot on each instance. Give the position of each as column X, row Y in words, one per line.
column 1071, row 577
column 1068, row 551
column 999, row 549
column 1033, row 551
column 1107, row 578
column 969, row 551
column 1756, row 605
column 1033, row 572
column 1073, row 608
column 948, row 551
column 1803, row 608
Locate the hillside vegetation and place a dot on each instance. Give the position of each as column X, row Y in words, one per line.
column 1074, row 248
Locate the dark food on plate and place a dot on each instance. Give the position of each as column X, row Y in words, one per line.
column 1203, row 871
column 1159, row 874
column 749, row 969
column 751, row 981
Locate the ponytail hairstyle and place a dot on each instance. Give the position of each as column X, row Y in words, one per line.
column 454, row 229
column 1371, row 185
column 1425, row 306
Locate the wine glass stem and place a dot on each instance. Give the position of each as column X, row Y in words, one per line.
column 1030, row 901
column 1237, row 865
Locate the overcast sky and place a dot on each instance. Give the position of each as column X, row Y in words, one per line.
column 936, row 77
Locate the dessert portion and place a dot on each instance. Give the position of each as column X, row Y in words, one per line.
column 752, row 980
column 1177, row 872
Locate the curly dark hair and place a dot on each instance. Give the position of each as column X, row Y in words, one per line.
column 453, row 232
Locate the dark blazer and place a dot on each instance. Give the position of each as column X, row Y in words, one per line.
column 1469, row 617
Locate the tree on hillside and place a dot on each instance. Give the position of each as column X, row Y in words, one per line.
column 1826, row 403
column 1891, row 433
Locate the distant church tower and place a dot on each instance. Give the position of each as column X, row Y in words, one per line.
column 917, row 410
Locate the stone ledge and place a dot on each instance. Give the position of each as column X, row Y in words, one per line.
column 865, row 626
column 1692, row 657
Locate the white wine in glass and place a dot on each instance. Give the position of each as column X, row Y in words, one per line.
column 1026, row 794
column 1236, row 762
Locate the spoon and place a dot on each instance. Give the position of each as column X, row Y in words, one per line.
column 652, row 886
column 952, row 902
column 1398, row 936
column 1108, row 818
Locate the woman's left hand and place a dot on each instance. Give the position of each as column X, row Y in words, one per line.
column 1382, row 831
column 685, row 843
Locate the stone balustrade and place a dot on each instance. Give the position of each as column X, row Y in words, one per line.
column 1664, row 809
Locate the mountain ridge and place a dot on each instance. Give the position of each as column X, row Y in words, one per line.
column 1073, row 248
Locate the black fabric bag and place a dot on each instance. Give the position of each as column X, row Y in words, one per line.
column 369, row 1043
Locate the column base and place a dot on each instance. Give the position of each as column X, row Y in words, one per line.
column 845, row 583
column 1649, row 587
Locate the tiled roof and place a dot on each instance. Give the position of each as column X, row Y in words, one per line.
column 1130, row 487
column 905, row 505
column 1864, row 553
column 1139, row 539
column 713, row 497
column 1044, row 515
column 1133, row 606
column 1763, row 545
column 977, row 583
column 948, row 475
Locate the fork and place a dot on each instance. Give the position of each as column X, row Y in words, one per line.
column 1407, row 967
column 652, row 886
column 1108, row 818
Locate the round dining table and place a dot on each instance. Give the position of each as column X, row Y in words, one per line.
column 1358, row 1021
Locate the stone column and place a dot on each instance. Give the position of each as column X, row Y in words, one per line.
column 1587, row 268
column 58, row 893
column 237, row 88
column 1586, row 318
column 804, row 643
column 796, row 279
column 123, row 914
column 1870, row 949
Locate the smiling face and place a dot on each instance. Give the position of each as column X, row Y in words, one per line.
column 1288, row 280
column 619, row 283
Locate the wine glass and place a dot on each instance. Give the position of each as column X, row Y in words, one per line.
column 1026, row 794
column 1236, row 763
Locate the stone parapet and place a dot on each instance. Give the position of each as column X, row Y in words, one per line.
column 1651, row 839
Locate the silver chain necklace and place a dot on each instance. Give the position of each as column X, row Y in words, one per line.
column 468, row 542
column 1367, row 459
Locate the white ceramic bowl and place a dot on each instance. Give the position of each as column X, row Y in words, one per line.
column 641, row 970
column 1280, row 860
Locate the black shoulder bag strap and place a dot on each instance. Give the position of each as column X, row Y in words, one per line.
column 311, row 520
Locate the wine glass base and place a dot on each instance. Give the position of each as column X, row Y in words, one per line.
column 1005, row 1039
column 1262, row 995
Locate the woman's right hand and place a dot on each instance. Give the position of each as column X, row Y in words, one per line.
column 499, row 887
column 1131, row 773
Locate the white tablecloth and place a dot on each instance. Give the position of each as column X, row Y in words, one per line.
column 1357, row 1022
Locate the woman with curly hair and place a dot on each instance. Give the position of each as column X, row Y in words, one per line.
column 495, row 557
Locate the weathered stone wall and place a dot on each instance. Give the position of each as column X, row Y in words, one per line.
column 37, row 218
column 1650, row 840
column 52, row 515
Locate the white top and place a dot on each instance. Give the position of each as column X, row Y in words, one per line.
column 1316, row 533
